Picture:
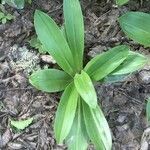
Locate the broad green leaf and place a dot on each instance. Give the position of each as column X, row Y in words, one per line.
column 85, row 88
column 136, row 25
column 65, row 113
column 74, row 27
column 97, row 127
column 133, row 62
column 53, row 41
column 121, row 2
column 21, row 124
column 50, row 80
column 78, row 138
column 105, row 63
column 148, row 110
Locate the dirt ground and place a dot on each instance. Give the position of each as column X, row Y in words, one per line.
column 123, row 103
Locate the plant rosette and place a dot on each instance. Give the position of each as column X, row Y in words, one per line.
column 79, row 120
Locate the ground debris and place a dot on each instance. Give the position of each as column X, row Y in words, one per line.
column 5, row 138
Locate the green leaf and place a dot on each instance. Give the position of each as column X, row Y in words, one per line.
column 29, row 1
column 121, row 2
column 97, row 127
column 65, row 113
column 2, row 2
column 133, row 62
column 105, row 63
column 85, row 88
column 63, row 31
column 148, row 110
column 21, row 124
column 74, row 27
column 35, row 43
column 16, row 3
column 115, row 78
column 54, row 42
column 4, row 20
column 50, row 80
column 9, row 17
column 2, row 15
column 136, row 25
column 78, row 138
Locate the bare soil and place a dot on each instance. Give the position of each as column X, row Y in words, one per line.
column 123, row 103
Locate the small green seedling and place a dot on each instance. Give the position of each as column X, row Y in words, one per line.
column 5, row 17
column 21, row 124
column 79, row 120
column 19, row 4
column 121, row 2
column 136, row 25
column 35, row 43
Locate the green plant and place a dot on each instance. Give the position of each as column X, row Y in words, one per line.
column 121, row 2
column 19, row 4
column 35, row 43
column 136, row 25
column 79, row 119
column 148, row 110
column 4, row 17
column 21, row 124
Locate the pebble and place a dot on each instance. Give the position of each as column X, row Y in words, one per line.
column 144, row 76
column 121, row 118
column 48, row 59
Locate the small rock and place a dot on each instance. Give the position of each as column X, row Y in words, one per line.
column 48, row 59
column 121, row 118
column 123, row 127
column 145, row 140
column 144, row 145
column 144, row 76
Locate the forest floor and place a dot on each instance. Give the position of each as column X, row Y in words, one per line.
column 123, row 103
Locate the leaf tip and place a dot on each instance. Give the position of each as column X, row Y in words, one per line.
column 37, row 12
column 76, row 76
column 31, row 78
